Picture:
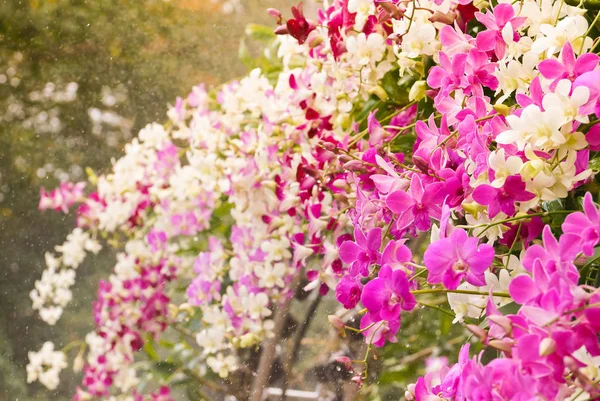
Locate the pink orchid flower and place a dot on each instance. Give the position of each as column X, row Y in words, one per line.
column 458, row 256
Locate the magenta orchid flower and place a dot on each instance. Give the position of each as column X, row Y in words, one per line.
column 396, row 255
column 419, row 206
column 591, row 81
column 348, row 292
column 390, row 182
column 443, row 382
column 298, row 27
column 450, row 259
column 569, row 67
column 362, row 252
column 502, row 199
column 549, row 288
column 63, row 197
column 449, row 75
column 495, row 22
column 555, row 255
column 203, row 291
column 455, row 41
column 468, row 71
column 388, row 294
column 377, row 331
column 480, row 72
column 586, row 225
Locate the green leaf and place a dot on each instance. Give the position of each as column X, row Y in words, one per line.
column 402, row 143
column 558, row 204
column 260, row 32
column 445, row 323
column 397, row 90
column 193, row 393
column 590, row 271
column 181, row 382
column 165, row 369
column 244, row 55
column 509, row 309
column 587, row 4
column 595, row 164
column 368, row 107
column 397, row 376
column 149, row 349
column 489, row 354
column 166, row 344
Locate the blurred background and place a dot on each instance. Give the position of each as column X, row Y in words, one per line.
column 78, row 78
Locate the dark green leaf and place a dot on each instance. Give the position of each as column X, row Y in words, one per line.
column 165, row 369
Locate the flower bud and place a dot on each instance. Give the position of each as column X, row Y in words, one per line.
column 502, row 109
column 503, row 322
column 344, row 158
column 379, row 92
column 472, row 208
column 247, row 340
column 358, row 380
column 339, row 183
column 431, row 93
column 187, row 308
column 392, row 9
column 281, row 30
column 477, row 331
column 341, row 197
column 336, row 322
column 344, row 120
column 92, row 177
column 417, row 91
column 420, row 163
column 410, row 392
column 501, row 345
column 173, row 311
column 81, row 395
column 311, row 171
column 341, row 96
column 547, row 346
column 315, row 41
column 78, row 363
column 275, row 14
column 347, row 362
column 328, row 146
column 483, row 5
column 445, row 18
column 269, row 184
column 354, row 165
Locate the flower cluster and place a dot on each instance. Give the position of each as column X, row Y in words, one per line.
column 63, row 197
column 403, row 148
column 550, row 346
column 45, row 365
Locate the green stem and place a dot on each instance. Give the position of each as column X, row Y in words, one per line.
column 360, row 330
column 512, row 246
column 364, row 132
column 71, row 345
column 452, row 315
column 468, row 292
column 588, row 32
column 582, row 308
column 523, row 217
column 588, row 4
